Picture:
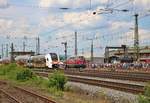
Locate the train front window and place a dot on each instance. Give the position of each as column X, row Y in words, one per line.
column 54, row 56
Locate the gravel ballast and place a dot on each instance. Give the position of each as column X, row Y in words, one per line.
column 113, row 95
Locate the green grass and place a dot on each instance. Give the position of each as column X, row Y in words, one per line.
column 24, row 76
column 146, row 97
column 53, row 86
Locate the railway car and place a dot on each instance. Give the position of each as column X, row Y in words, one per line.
column 50, row 60
column 22, row 60
column 76, row 62
column 146, row 60
column 38, row 61
column 5, row 60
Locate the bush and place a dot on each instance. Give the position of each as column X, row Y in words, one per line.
column 147, row 91
column 146, row 97
column 25, row 74
column 143, row 99
column 57, row 80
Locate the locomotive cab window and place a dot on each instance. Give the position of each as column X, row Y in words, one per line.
column 54, row 56
column 47, row 59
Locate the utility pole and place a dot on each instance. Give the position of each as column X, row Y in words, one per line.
column 24, row 46
column 12, row 52
column 65, row 44
column 76, row 48
column 92, row 51
column 37, row 45
column 106, row 55
column 82, row 52
column 38, row 41
column 2, row 51
column 6, row 50
column 136, row 38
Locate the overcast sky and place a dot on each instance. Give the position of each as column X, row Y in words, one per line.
column 47, row 19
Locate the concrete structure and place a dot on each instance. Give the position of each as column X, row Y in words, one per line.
column 19, row 53
column 96, row 60
column 144, row 52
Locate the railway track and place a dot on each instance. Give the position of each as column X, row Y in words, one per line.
column 130, row 88
column 11, row 95
column 141, row 78
column 131, row 76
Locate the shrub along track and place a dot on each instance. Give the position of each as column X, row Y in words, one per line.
column 121, row 75
column 20, row 95
column 130, row 88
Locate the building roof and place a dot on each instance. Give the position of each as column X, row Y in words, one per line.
column 131, row 50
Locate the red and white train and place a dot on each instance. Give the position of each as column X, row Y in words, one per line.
column 50, row 60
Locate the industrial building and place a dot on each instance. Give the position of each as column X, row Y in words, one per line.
column 144, row 52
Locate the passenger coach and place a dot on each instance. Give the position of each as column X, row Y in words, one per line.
column 50, row 60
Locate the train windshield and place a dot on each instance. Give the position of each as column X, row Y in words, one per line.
column 54, row 56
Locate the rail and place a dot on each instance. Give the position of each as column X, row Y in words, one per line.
column 45, row 99
column 10, row 96
column 131, row 88
column 131, row 76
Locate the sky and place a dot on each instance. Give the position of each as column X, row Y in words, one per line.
column 55, row 21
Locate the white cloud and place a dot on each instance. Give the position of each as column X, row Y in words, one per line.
column 3, row 3
column 5, row 25
column 69, row 3
column 71, row 20
column 51, row 21
column 141, row 5
column 128, row 37
column 144, row 34
column 82, row 19
column 142, row 2
column 18, row 28
column 53, row 3
column 120, row 24
column 23, row 28
column 45, row 3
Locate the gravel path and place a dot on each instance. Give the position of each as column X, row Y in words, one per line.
column 113, row 95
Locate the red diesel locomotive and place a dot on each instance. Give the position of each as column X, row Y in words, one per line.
column 76, row 62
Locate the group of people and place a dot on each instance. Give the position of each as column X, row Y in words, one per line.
column 136, row 65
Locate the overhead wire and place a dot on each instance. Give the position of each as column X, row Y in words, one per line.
column 121, row 4
column 80, row 21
